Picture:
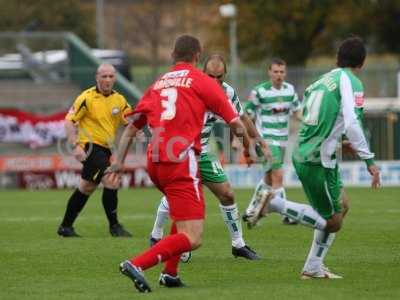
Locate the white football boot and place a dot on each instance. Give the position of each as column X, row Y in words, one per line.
column 324, row 273
column 261, row 210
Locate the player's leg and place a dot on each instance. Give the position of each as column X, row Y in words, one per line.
column 276, row 177
column 261, row 186
column 93, row 170
column 230, row 214
column 181, row 184
column 324, row 192
column 162, row 216
column 303, row 213
column 111, row 183
column 278, row 189
column 169, row 276
column 314, row 266
column 75, row 205
column 323, row 213
column 89, row 180
column 184, row 237
column 272, row 182
column 157, row 232
column 214, row 177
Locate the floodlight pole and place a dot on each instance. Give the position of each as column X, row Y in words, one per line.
column 100, row 23
column 229, row 11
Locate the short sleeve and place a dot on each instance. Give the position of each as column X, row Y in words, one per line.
column 78, row 109
column 139, row 120
column 238, row 106
column 138, row 116
column 126, row 109
column 251, row 104
column 295, row 105
column 233, row 96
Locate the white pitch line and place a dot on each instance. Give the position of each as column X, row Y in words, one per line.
column 81, row 219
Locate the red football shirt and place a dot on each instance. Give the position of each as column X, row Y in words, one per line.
column 174, row 108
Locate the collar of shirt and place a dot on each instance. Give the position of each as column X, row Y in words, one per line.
column 99, row 92
column 182, row 66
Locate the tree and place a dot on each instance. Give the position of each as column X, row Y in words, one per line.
column 47, row 15
column 284, row 28
column 297, row 29
column 386, row 19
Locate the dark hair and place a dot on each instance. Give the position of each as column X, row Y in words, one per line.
column 277, row 61
column 218, row 57
column 351, row 53
column 185, row 49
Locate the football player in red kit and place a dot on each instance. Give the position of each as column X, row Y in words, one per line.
column 174, row 108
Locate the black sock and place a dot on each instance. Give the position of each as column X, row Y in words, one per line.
column 75, row 204
column 110, row 204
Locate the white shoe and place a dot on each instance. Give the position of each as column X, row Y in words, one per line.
column 325, row 268
column 261, row 209
column 324, row 273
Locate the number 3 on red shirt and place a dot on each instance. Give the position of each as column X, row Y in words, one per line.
column 169, row 104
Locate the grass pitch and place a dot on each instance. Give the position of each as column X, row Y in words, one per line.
column 37, row 264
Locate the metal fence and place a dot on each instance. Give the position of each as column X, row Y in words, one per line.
column 379, row 81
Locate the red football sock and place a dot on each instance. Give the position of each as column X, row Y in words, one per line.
column 172, row 245
column 171, row 265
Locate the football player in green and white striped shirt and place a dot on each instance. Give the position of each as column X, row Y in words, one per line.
column 212, row 173
column 329, row 112
column 271, row 104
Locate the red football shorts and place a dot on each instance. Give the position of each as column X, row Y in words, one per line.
column 181, row 184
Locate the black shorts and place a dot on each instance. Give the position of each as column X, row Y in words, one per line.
column 96, row 163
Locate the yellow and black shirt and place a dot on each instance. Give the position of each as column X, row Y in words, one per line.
column 98, row 116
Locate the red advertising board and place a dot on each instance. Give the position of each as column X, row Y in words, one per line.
column 56, row 172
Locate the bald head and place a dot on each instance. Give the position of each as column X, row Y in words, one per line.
column 105, row 68
column 215, row 67
column 105, row 78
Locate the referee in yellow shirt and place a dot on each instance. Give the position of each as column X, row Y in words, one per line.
column 91, row 126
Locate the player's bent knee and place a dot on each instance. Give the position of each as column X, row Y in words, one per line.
column 196, row 244
column 87, row 187
column 195, row 240
column 334, row 224
column 193, row 229
column 111, row 181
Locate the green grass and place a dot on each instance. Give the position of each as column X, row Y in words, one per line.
column 36, row 264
